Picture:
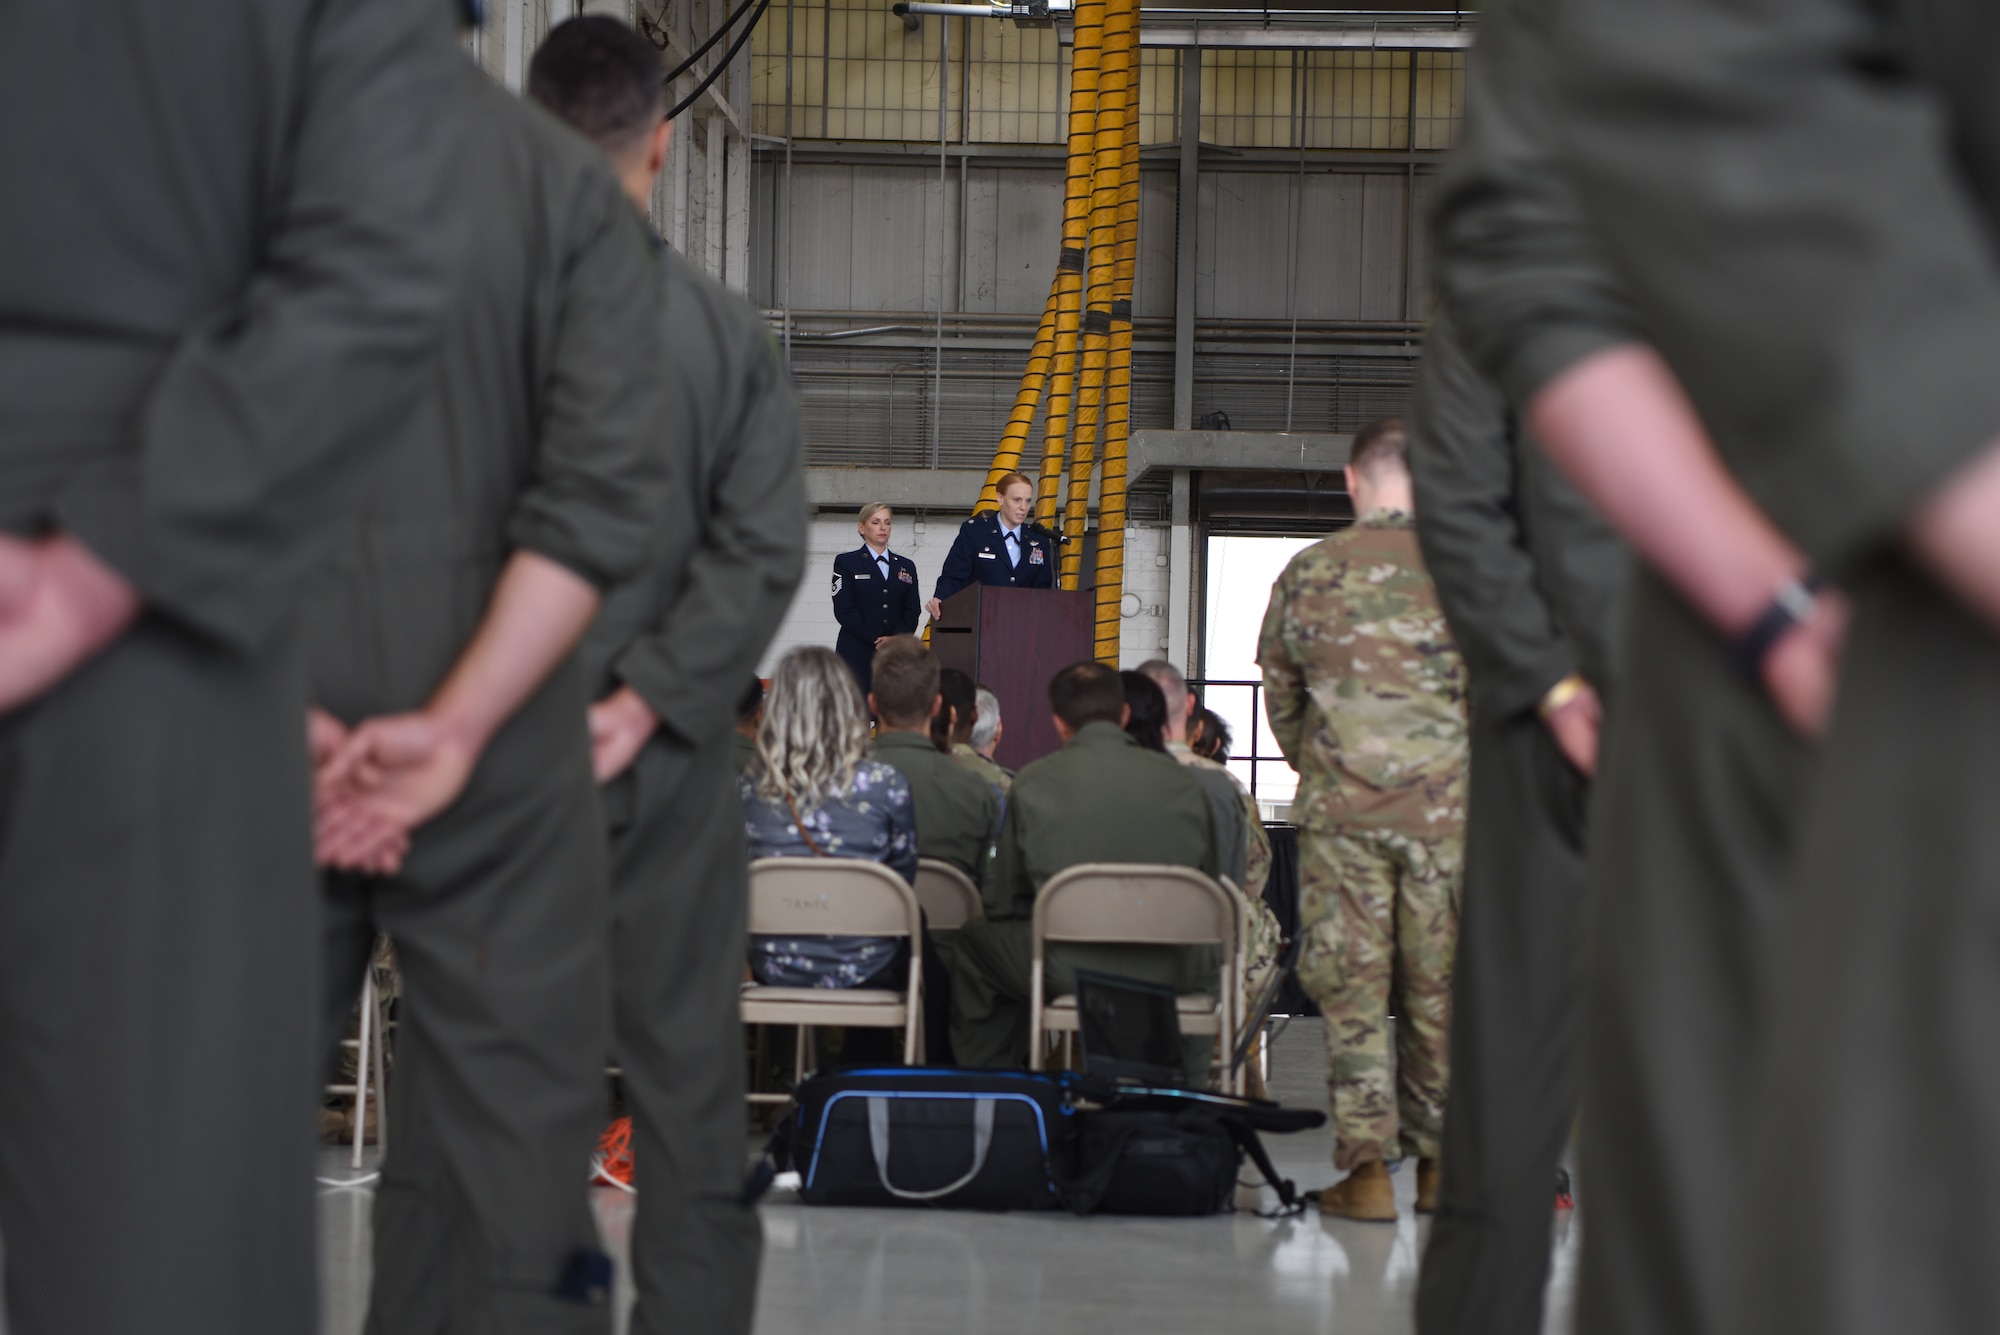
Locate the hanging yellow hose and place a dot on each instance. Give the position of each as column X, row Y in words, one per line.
column 1085, row 60
column 1007, row 458
column 1118, row 400
column 1106, row 162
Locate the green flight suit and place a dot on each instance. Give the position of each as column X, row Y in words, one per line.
column 1529, row 579
column 1245, row 846
column 1365, row 693
column 1692, row 813
column 205, row 327
column 1102, row 798
column 543, row 430
column 958, row 814
column 1805, row 198
column 1001, row 778
column 956, row 810
column 685, row 635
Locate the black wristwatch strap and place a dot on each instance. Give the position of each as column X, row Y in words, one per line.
column 1789, row 607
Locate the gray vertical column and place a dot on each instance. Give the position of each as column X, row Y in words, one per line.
column 1188, row 225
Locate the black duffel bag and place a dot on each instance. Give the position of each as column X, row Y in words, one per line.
column 967, row 1140
column 1176, row 1153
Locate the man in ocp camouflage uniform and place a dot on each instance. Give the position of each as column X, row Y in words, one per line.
column 1366, row 696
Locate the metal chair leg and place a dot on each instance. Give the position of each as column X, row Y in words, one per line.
column 362, row 1055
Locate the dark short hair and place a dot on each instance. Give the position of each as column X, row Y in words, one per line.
column 961, row 700
column 1216, row 739
column 1149, row 710
column 906, row 681
column 1087, row 692
column 601, row 78
column 751, row 702
column 1383, row 443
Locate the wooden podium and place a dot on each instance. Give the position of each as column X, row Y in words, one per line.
column 1013, row 641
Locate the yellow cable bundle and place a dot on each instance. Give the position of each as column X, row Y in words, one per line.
column 1085, row 59
column 1007, row 458
column 1107, row 160
column 1118, row 401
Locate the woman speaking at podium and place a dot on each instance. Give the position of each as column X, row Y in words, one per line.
column 1003, row 548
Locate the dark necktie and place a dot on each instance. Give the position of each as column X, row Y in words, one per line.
column 1014, row 548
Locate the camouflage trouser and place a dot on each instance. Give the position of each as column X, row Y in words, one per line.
column 1379, row 913
column 1267, row 944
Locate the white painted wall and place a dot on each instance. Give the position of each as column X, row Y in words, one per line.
column 810, row 620
column 1143, row 631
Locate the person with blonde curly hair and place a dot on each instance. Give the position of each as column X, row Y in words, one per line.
column 812, row 791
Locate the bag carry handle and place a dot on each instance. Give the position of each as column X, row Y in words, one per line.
column 878, row 1141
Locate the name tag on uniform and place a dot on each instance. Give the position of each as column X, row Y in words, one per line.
column 1035, row 556
column 859, row 575
column 988, row 556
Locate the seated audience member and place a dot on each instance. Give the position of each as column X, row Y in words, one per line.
column 1146, row 723
column 986, row 726
column 1102, row 798
column 749, row 711
column 1209, row 736
column 975, row 737
column 813, row 792
column 955, row 811
column 1248, row 863
column 954, row 718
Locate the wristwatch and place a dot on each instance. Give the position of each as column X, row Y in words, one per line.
column 1792, row 605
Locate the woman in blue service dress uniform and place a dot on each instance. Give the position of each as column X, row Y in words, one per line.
column 874, row 594
column 1003, row 548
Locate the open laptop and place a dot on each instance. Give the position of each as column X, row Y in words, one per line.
column 1131, row 1031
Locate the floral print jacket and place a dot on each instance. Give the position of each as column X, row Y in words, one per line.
column 874, row 820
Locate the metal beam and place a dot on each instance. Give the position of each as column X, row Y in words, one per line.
column 949, row 489
column 1180, row 573
column 1188, row 228
column 1302, row 38
column 1259, row 451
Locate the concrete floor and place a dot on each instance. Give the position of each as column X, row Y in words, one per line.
column 886, row 1272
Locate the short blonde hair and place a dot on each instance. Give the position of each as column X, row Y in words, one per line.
column 870, row 510
column 1009, row 479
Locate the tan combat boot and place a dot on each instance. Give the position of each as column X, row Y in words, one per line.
column 1364, row 1194
column 1428, row 1176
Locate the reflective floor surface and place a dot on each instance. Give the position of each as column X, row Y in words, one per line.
column 886, row 1272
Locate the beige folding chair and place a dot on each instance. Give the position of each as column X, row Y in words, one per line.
column 949, row 897
column 1115, row 903
column 834, row 897
column 370, row 1065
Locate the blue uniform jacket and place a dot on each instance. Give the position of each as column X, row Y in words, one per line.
column 868, row 606
column 979, row 556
